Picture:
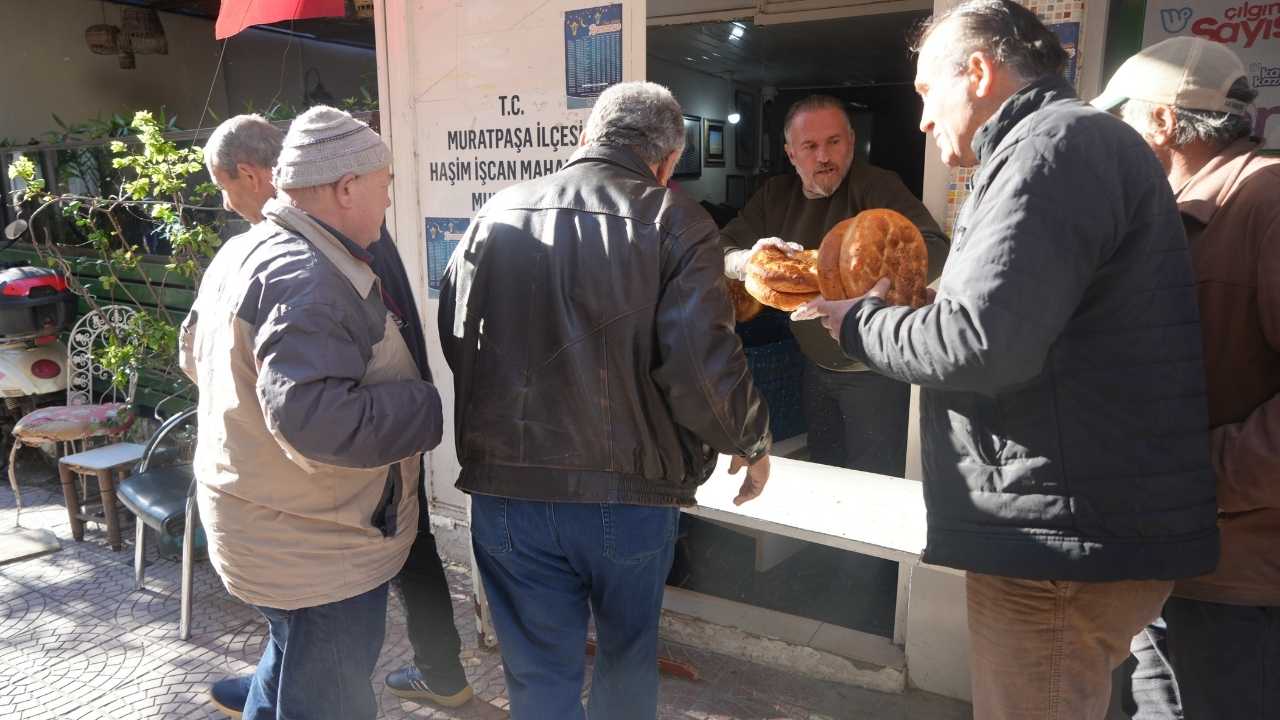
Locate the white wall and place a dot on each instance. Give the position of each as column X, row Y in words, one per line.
column 48, row 68
column 710, row 97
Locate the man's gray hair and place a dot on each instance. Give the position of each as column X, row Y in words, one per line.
column 809, row 104
column 1216, row 129
column 247, row 139
column 643, row 116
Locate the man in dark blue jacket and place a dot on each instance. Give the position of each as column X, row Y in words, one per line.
column 1065, row 449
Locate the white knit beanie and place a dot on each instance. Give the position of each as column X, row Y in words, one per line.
column 324, row 144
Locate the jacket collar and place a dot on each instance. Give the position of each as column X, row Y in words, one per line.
column 623, row 157
column 1022, row 103
column 1209, row 189
column 327, row 241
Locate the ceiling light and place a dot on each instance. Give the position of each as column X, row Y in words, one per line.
column 737, row 31
column 735, row 118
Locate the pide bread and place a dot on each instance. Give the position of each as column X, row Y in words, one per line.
column 874, row 244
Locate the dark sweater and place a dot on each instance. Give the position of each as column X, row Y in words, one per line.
column 397, row 291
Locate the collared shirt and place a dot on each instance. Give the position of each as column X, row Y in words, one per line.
column 367, row 257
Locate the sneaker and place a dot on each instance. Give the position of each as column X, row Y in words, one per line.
column 230, row 695
column 409, row 684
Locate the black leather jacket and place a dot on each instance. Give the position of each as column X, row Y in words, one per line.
column 585, row 318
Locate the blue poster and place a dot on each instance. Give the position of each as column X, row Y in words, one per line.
column 592, row 53
column 1069, row 35
column 443, row 235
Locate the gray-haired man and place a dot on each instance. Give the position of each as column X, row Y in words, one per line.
column 1066, row 464
column 597, row 373
column 1189, row 99
column 313, row 418
column 856, row 419
column 240, row 154
column 250, row 145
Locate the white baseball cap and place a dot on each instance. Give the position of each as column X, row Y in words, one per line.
column 1185, row 72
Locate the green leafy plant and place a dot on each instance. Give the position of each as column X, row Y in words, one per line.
column 157, row 199
column 87, row 168
column 363, row 103
column 281, row 111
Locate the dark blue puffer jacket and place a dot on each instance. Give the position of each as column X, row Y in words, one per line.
column 1063, row 415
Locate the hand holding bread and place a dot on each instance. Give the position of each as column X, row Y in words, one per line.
column 854, row 256
column 874, row 244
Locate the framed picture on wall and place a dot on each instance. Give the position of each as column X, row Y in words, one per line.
column 690, row 164
column 746, row 132
column 713, row 143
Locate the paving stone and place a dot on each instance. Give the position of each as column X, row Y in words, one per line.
column 78, row 642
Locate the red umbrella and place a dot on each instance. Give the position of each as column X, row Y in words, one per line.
column 236, row 15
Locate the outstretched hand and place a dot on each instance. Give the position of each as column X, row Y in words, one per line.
column 738, row 263
column 790, row 248
column 832, row 312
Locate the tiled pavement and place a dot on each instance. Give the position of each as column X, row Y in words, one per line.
column 78, row 642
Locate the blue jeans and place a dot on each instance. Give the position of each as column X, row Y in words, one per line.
column 1217, row 661
column 546, row 568
column 319, row 660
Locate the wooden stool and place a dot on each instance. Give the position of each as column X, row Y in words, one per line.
column 105, row 463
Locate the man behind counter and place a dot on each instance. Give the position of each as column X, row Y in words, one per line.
column 857, row 419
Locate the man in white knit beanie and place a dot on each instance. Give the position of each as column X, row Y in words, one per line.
column 313, row 419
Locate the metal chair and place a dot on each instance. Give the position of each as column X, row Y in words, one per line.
column 162, row 496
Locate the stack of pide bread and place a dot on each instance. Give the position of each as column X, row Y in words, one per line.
column 853, row 256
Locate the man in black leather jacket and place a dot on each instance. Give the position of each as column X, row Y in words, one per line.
column 596, row 376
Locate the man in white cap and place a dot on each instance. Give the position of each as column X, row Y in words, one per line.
column 313, row 418
column 1189, row 100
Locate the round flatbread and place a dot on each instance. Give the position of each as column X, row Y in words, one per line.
column 874, row 244
column 745, row 307
column 773, row 298
column 786, row 273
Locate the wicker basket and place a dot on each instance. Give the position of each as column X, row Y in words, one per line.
column 102, row 39
column 146, row 34
column 363, row 8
